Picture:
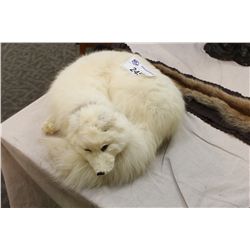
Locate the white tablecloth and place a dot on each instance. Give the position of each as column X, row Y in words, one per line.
column 202, row 167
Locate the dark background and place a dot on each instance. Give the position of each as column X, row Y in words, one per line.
column 27, row 69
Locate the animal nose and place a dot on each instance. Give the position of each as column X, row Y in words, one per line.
column 100, row 173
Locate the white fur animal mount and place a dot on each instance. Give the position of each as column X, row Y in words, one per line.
column 106, row 121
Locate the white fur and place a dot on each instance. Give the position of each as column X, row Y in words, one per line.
column 95, row 102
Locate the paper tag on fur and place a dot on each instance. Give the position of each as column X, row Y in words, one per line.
column 137, row 68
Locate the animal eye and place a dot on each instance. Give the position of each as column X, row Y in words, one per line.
column 88, row 150
column 103, row 148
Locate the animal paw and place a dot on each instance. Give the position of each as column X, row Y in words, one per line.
column 49, row 128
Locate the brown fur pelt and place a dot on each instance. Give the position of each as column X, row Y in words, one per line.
column 222, row 108
column 233, row 99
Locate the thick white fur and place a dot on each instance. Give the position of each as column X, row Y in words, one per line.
column 95, row 102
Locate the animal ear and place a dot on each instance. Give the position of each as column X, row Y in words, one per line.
column 107, row 121
column 106, row 127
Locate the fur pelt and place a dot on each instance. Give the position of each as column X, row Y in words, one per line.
column 236, row 102
column 105, row 123
column 222, row 108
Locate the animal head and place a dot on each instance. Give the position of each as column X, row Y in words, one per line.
column 99, row 134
